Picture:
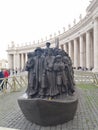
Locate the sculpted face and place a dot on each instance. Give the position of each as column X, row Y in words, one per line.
column 48, row 44
column 58, row 59
column 38, row 53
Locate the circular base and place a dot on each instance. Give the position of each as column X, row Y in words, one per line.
column 49, row 112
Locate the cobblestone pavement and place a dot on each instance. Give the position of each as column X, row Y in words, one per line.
column 86, row 117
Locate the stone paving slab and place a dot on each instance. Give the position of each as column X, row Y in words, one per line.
column 3, row 128
column 86, row 117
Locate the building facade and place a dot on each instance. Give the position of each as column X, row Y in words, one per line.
column 3, row 64
column 79, row 41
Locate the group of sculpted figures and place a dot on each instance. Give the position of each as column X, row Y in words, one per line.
column 50, row 73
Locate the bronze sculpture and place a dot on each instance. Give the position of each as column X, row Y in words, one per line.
column 50, row 86
column 47, row 66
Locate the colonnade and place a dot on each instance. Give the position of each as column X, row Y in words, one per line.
column 17, row 61
column 80, row 42
column 83, row 49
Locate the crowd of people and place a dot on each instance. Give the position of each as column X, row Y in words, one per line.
column 83, row 68
column 3, row 74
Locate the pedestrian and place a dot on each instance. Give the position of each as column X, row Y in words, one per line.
column 1, row 79
column 16, row 70
column 6, row 74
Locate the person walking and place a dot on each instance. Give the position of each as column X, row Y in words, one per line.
column 6, row 74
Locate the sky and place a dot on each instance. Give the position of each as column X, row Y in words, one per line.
column 24, row 21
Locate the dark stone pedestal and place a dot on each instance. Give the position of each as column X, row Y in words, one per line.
column 49, row 112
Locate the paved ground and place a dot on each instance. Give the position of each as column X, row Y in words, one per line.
column 86, row 117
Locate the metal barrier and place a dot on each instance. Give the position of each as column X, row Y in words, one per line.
column 16, row 82
column 85, row 77
column 13, row 83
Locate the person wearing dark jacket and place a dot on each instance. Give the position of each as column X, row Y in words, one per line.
column 1, row 80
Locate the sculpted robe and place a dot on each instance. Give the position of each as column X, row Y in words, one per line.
column 38, row 70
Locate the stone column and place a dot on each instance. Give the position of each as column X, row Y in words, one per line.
column 73, row 51
column 26, row 58
column 18, row 61
column 22, row 61
column 66, row 48
column 15, row 61
column 84, row 41
column 10, row 61
column 81, row 51
column 92, row 51
column 88, row 50
column 70, row 49
column 76, row 55
column 96, row 44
